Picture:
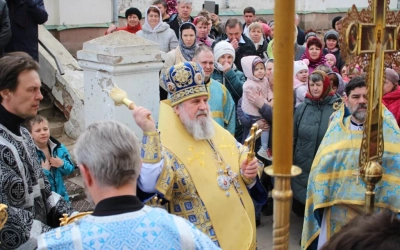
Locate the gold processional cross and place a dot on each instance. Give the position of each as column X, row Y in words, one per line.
column 369, row 39
column 250, row 141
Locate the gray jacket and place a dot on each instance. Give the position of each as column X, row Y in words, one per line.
column 5, row 28
column 162, row 35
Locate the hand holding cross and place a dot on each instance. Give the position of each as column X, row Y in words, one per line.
column 250, row 141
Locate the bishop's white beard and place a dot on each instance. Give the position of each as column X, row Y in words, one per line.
column 201, row 128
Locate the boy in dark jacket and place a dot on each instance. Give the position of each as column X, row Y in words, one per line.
column 53, row 155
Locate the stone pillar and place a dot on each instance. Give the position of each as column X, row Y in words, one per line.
column 127, row 60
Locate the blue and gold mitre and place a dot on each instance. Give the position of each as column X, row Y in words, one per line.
column 184, row 81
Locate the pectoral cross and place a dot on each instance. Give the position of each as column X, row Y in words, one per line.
column 357, row 174
column 250, row 141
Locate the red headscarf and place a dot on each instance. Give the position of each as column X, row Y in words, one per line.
column 321, row 58
column 326, row 90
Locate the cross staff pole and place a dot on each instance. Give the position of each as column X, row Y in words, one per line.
column 282, row 168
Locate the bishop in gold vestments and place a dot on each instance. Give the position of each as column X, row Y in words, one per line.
column 199, row 168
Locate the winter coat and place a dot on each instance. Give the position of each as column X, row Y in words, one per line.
column 162, row 35
column 262, row 51
column 339, row 61
column 301, row 36
column 311, row 121
column 233, row 80
column 244, row 49
column 55, row 175
column 5, row 28
column 298, row 51
column 392, row 102
column 24, row 18
column 253, row 84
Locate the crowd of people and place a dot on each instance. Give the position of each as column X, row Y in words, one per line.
column 216, row 82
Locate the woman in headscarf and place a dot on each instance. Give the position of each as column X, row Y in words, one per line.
column 154, row 29
column 183, row 53
column 314, row 54
column 311, row 121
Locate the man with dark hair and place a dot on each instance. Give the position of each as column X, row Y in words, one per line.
column 183, row 16
column 242, row 44
column 5, row 28
column 249, row 14
column 25, row 16
column 379, row 231
column 334, row 195
column 32, row 207
column 162, row 5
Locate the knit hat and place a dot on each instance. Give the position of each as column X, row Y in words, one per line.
column 300, row 65
column 331, row 34
column 334, row 21
column 222, row 48
column 266, row 29
column 310, row 34
column 184, row 81
column 256, row 61
column 332, row 56
column 392, row 76
column 133, row 11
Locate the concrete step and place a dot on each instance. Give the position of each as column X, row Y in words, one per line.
column 46, row 109
column 56, row 129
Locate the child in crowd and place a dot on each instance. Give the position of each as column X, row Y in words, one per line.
column 53, row 156
column 254, row 70
column 331, row 61
column 300, row 84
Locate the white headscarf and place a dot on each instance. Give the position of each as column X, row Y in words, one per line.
column 146, row 23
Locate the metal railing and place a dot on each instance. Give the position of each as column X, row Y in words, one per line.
column 58, row 63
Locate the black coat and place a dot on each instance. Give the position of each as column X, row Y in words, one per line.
column 244, row 49
column 262, row 50
column 174, row 24
column 5, row 28
column 301, row 36
column 24, row 17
